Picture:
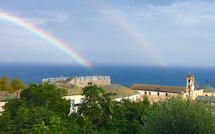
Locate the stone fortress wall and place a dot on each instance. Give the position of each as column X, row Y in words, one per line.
column 82, row 81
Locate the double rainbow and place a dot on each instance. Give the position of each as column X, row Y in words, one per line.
column 47, row 37
column 136, row 35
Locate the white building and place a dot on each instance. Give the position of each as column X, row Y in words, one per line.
column 121, row 92
column 158, row 92
column 74, row 85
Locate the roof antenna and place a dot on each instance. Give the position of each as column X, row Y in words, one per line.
column 206, row 82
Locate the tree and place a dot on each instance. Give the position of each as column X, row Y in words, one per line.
column 57, row 126
column 5, row 85
column 6, row 123
column 176, row 115
column 96, row 107
column 128, row 115
column 48, row 96
column 37, row 104
column 27, row 118
column 17, row 84
column 11, row 107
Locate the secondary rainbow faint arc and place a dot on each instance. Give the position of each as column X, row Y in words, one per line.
column 133, row 33
column 47, row 37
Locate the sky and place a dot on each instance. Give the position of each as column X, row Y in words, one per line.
column 140, row 32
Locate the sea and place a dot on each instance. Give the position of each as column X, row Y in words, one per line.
column 125, row 75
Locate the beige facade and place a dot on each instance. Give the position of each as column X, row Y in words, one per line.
column 2, row 105
column 157, row 96
column 208, row 94
column 154, row 93
column 132, row 97
column 84, row 83
column 197, row 93
column 159, row 92
column 202, row 91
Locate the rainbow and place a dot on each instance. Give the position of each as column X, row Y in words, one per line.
column 134, row 34
column 47, row 37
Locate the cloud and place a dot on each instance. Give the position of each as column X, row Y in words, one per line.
column 182, row 14
column 43, row 18
column 175, row 30
column 55, row 16
column 36, row 21
column 182, row 19
column 18, row 44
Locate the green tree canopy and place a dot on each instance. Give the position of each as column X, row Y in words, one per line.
column 179, row 116
column 41, row 109
column 4, row 84
column 17, row 84
column 48, row 96
column 37, row 104
column 128, row 115
column 97, row 106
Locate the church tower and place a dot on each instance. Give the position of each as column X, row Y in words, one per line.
column 190, row 83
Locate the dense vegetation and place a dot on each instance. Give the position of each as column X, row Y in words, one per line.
column 15, row 84
column 41, row 109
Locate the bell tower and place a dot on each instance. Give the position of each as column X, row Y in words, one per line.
column 190, row 83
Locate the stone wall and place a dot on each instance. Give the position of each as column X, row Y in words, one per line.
column 4, row 92
column 98, row 82
column 82, row 81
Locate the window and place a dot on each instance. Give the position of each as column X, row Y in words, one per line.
column 206, row 95
column 73, row 103
column 166, row 94
column 158, row 93
column 145, row 93
column 149, row 93
column 81, row 100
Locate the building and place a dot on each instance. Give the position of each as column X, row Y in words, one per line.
column 79, row 81
column 121, row 92
column 74, row 85
column 204, row 91
column 158, row 92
